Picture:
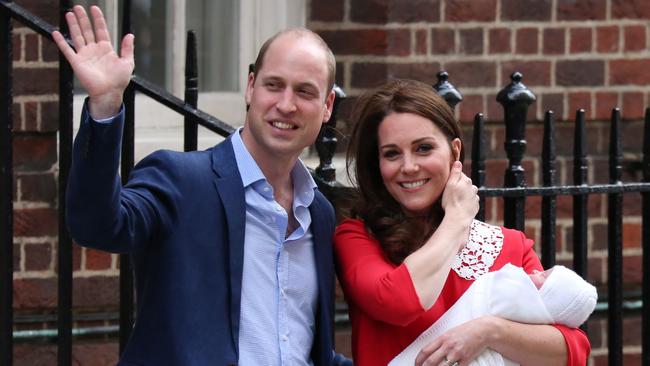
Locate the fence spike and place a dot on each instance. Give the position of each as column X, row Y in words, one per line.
column 446, row 90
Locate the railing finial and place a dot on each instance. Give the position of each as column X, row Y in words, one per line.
column 446, row 90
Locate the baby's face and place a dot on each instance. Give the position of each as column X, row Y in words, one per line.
column 539, row 277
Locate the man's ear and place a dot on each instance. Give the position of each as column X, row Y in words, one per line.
column 329, row 105
column 456, row 147
column 249, row 88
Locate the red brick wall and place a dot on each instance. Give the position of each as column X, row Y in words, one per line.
column 591, row 54
column 35, row 122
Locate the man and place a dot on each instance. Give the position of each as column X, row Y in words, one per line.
column 231, row 246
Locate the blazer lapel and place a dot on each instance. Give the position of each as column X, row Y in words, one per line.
column 231, row 191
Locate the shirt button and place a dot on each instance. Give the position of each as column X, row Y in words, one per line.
column 266, row 189
column 285, row 338
column 278, row 208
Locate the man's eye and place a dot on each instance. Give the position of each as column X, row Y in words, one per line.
column 272, row 85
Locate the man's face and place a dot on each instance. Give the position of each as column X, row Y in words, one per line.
column 288, row 99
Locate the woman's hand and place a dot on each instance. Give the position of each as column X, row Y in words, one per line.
column 461, row 344
column 460, row 197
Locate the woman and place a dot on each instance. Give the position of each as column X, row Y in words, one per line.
column 411, row 247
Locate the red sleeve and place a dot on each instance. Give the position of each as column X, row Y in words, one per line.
column 577, row 343
column 378, row 287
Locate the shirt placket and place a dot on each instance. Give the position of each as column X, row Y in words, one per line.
column 282, row 275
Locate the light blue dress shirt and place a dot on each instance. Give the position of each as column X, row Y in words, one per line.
column 279, row 284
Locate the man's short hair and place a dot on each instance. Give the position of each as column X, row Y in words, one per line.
column 301, row 32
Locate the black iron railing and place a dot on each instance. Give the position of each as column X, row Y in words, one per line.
column 515, row 99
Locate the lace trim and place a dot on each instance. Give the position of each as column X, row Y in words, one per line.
column 483, row 247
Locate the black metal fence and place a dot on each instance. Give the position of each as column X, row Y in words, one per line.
column 515, row 99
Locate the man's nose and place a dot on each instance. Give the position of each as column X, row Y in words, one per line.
column 287, row 104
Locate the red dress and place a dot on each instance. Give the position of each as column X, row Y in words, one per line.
column 385, row 311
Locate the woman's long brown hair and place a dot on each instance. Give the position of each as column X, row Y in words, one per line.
column 398, row 233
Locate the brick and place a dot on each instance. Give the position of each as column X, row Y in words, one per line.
column 607, row 39
column 34, row 152
column 580, row 100
column 394, row 42
column 31, row 47
column 34, row 293
column 554, row 42
column 633, row 107
column 471, row 41
column 565, row 206
column 632, row 205
column 95, row 291
column 424, row 72
column 494, row 109
column 34, row 354
column 470, row 10
column 16, row 44
column 536, row 73
column 632, row 142
column 580, row 73
column 31, row 116
column 326, row 10
column 634, row 38
column 50, row 117
column 38, row 187
column 525, row 10
column 76, row 256
column 343, row 342
column 595, row 329
column 17, row 255
column 99, row 353
column 631, row 235
column 49, row 51
column 442, row 41
column 605, row 102
column 499, row 40
column 369, row 11
column 468, row 108
column 17, row 117
column 632, row 269
column 97, row 260
column 625, row 72
column 599, row 237
column 581, row 9
column 368, row 74
column 36, row 81
column 35, row 222
column 421, row 41
column 580, row 40
column 553, row 102
column 632, row 9
column 45, row 9
column 472, row 73
column 527, row 41
column 38, row 257
column 414, row 11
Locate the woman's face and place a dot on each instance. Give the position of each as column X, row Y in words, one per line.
column 415, row 158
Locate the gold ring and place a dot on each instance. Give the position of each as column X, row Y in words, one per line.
column 455, row 363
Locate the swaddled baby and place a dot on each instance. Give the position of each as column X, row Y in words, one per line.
column 555, row 296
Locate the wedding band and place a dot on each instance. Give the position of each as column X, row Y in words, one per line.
column 449, row 363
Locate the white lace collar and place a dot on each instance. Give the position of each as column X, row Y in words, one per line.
column 482, row 249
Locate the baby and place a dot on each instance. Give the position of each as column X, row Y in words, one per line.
column 555, row 296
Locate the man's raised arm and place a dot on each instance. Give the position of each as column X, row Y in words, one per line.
column 103, row 73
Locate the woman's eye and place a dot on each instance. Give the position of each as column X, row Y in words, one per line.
column 390, row 154
column 424, row 148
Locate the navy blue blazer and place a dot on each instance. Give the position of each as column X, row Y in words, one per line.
column 181, row 216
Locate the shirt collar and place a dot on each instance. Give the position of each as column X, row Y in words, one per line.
column 303, row 182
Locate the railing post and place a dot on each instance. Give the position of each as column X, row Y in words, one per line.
column 515, row 98
column 6, row 192
column 580, row 213
column 65, row 241
column 190, row 128
column 326, row 143
column 478, row 161
column 615, row 248
column 446, row 90
column 645, row 328
column 128, row 136
column 548, row 202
